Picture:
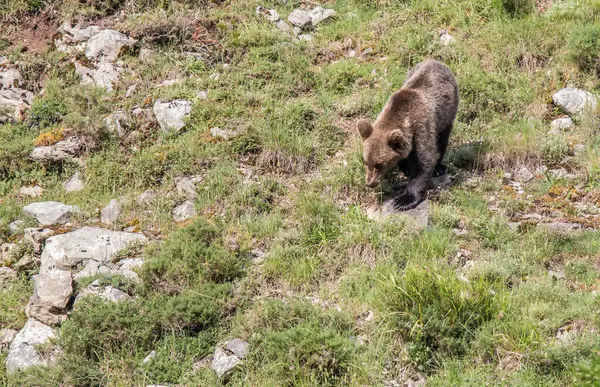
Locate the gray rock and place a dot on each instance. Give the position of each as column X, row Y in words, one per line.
column 28, row 262
column 37, row 237
column 6, row 337
column 240, row 348
column 147, row 55
column 106, row 75
column 420, row 214
column 130, row 91
column 300, row 18
column 561, row 124
column 10, row 79
column 7, row 274
column 223, row 364
column 16, row 226
column 186, row 186
column 110, row 213
column 114, row 294
column 130, row 264
column 269, row 14
column 574, row 101
column 171, row 115
column 562, row 173
column 23, row 352
column 523, row 175
column 116, row 123
column 283, row 26
column 184, row 211
column 51, row 213
column 447, row 39
column 556, row 274
column 77, row 35
column 223, row 134
column 202, row 94
column 86, row 246
column 150, row 356
column 74, row 184
column 146, row 198
column 578, row 149
column 320, row 14
column 107, row 45
column 51, row 293
column 13, row 104
column 32, row 192
column 5, row 252
column 305, row 37
column 61, row 151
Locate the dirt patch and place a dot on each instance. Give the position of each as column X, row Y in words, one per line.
column 34, row 34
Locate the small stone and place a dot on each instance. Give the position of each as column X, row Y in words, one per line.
column 561, row 124
column 130, row 264
column 51, row 293
column 578, row 149
column 150, row 356
column 130, row 90
column 223, row 364
column 23, row 352
column 107, row 45
column 559, row 275
column 223, row 134
column 32, row 192
column 420, row 214
column 14, row 103
column 171, row 115
column 561, row 227
column 10, row 79
column 146, row 198
column 114, row 295
column 447, row 39
column 320, row 14
column 239, row 348
column 116, row 123
column 269, row 14
column 74, row 184
column 106, row 75
column 51, row 213
column 184, row 211
column 16, row 226
column 523, row 175
column 203, row 94
column 61, row 151
column 305, row 37
column 186, row 186
column 300, row 18
column 110, row 213
column 283, row 26
column 367, row 51
column 574, row 101
column 147, row 55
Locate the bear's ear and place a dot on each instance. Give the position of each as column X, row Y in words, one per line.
column 397, row 141
column 364, row 128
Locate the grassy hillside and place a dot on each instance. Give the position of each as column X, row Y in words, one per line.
column 480, row 297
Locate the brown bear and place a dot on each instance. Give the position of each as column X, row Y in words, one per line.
column 412, row 131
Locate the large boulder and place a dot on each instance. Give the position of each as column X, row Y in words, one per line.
column 51, row 213
column 171, row 115
column 574, row 101
column 13, row 104
column 107, row 45
column 51, row 294
column 90, row 247
column 23, row 352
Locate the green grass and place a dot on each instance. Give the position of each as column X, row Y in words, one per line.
column 467, row 301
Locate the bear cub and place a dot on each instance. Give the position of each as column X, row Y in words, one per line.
column 412, row 131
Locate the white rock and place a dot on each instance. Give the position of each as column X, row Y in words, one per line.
column 447, row 39
column 88, row 245
column 74, row 184
column 15, row 226
column 283, row 26
column 184, row 211
column 6, row 337
column 130, row 264
column 223, row 364
column 10, row 79
column 116, row 123
column 51, row 293
column 202, row 94
column 523, row 175
column 147, row 55
column 32, row 192
column 107, row 45
column 269, row 14
column 61, row 151
column 77, row 35
column 420, row 214
column 239, row 347
column 13, row 104
column 305, row 37
column 574, row 101
column 23, row 352
column 51, row 213
column 130, row 90
column 578, row 149
column 171, row 115
column 223, row 134
column 150, row 356
column 6, row 274
column 562, row 228
column 561, row 124
column 300, row 18
column 319, row 14
column 106, row 75
column 146, row 198
column 110, row 213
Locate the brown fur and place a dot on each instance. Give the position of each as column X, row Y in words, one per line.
column 412, row 131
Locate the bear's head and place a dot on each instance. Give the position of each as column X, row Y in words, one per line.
column 382, row 150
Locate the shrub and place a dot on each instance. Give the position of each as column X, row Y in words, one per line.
column 554, row 149
column 436, row 313
column 584, row 47
column 46, row 112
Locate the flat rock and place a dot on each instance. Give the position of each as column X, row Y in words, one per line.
column 88, row 245
column 171, row 115
column 51, row 213
column 61, row 151
column 51, row 293
column 13, row 104
column 561, row 227
column 223, row 364
column 420, row 214
column 107, row 45
column 300, row 18
column 574, row 101
column 239, row 347
column 37, row 237
column 561, row 124
column 32, row 192
column 110, row 213
column 10, row 79
column 186, row 186
column 184, row 211
column 74, row 184
column 23, row 352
